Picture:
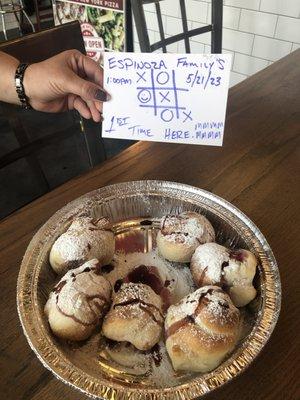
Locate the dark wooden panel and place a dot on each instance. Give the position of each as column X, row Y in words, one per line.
column 257, row 169
column 39, row 46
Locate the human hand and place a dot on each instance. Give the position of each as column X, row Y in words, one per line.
column 66, row 81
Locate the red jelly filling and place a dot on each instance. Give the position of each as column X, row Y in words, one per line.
column 238, row 255
column 148, row 275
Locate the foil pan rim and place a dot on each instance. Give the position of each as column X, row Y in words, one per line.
column 71, row 375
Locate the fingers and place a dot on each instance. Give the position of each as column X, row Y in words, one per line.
column 99, row 106
column 91, row 71
column 94, row 111
column 85, row 80
column 82, row 108
column 85, row 89
column 87, row 110
column 89, row 68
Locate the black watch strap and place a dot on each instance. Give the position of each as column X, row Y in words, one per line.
column 19, row 76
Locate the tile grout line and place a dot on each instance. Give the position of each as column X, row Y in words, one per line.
column 207, row 13
column 240, row 18
column 276, row 26
column 240, row 52
column 252, row 47
column 249, row 33
column 252, row 56
column 264, row 12
column 257, row 34
column 232, row 60
column 240, row 73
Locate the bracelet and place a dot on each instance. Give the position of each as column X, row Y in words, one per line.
column 19, row 76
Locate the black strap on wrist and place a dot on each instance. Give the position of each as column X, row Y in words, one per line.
column 19, row 76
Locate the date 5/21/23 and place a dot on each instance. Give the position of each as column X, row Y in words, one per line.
column 199, row 79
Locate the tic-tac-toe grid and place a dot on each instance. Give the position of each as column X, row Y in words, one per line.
column 161, row 94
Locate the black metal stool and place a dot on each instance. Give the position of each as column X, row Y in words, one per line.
column 13, row 7
column 141, row 26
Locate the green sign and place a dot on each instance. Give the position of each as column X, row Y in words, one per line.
column 102, row 23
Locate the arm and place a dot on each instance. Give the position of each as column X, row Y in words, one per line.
column 8, row 66
column 66, row 81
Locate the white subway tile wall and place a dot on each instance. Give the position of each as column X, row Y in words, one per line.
column 295, row 46
column 236, row 78
column 247, row 4
column 170, row 8
column 288, row 29
column 270, row 49
column 197, row 47
column 231, row 17
column 197, row 11
column 237, row 41
column 258, row 22
column 173, row 26
column 151, row 21
column 248, row 65
column 255, row 32
column 291, row 8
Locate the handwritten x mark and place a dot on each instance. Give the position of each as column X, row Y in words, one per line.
column 164, row 97
column 187, row 116
column 141, row 76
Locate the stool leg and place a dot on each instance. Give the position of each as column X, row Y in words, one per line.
column 3, row 26
column 17, row 18
column 26, row 16
column 37, row 14
column 29, row 20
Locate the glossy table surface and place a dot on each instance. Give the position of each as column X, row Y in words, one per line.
column 257, row 169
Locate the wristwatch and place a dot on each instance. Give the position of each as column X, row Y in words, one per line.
column 19, row 76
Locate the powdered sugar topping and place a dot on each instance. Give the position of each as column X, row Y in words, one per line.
column 72, row 246
column 137, row 304
column 82, row 293
column 131, row 291
column 218, row 307
column 188, row 227
column 84, row 239
column 210, row 257
column 177, row 277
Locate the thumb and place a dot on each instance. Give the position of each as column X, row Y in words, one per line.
column 85, row 89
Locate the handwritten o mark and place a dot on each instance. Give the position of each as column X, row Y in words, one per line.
column 167, row 115
column 144, row 96
column 162, row 78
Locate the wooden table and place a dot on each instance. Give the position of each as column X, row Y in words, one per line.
column 255, row 170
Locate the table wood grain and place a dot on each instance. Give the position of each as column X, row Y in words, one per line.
column 257, row 170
